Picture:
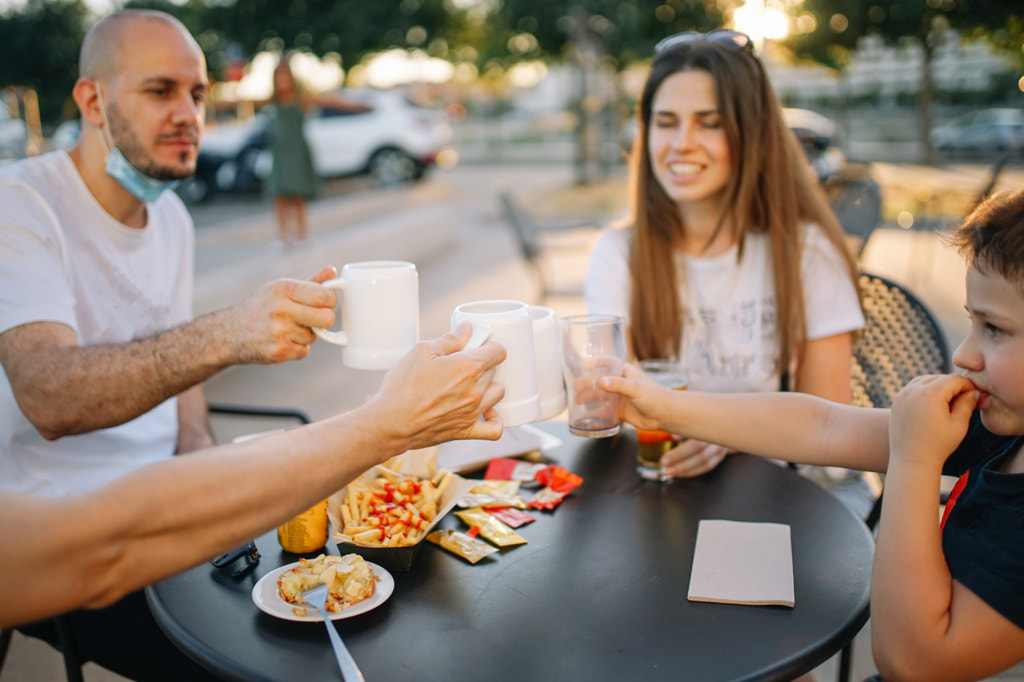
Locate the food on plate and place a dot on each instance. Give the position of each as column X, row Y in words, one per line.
column 349, row 580
column 392, row 510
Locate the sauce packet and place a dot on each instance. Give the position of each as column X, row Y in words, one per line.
column 491, row 528
column 558, row 479
column 497, row 488
column 486, row 500
column 513, row 518
column 507, row 469
column 546, row 498
column 470, row 549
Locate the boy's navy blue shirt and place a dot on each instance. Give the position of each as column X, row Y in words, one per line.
column 983, row 529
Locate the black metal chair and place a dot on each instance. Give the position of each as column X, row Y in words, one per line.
column 529, row 238
column 73, row 660
column 901, row 340
column 258, row 411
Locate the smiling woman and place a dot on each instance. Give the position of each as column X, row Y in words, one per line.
column 733, row 264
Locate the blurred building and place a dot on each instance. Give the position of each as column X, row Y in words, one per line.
column 891, row 74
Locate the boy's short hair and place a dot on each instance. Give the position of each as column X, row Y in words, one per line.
column 991, row 238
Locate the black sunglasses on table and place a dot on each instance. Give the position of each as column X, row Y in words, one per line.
column 249, row 551
column 722, row 36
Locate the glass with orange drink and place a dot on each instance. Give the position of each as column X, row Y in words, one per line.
column 651, row 445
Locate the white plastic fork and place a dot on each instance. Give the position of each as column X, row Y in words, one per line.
column 349, row 670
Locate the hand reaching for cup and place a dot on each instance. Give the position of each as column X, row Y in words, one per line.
column 692, row 458
column 642, row 395
column 643, row 405
column 275, row 324
column 439, row 392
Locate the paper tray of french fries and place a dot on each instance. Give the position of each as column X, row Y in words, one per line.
column 385, row 514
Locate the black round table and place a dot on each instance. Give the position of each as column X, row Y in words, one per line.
column 598, row 593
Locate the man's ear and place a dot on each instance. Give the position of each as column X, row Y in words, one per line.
column 86, row 95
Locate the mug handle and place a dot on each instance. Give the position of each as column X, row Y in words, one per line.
column 478, row 337
column 338, row 338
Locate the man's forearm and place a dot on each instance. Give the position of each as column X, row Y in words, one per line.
column 92, row 549
column 66, row 389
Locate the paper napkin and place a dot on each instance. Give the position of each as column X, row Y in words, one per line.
column 736, row 562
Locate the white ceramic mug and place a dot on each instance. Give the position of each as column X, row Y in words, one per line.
column 380, row 313
column 510, row 324
column 547, row 348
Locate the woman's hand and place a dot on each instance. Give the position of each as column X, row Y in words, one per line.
column 641, row 397
column 692, row 458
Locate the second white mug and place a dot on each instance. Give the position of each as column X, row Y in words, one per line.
column 547, row 347
column 380, row 313
column 511, row 325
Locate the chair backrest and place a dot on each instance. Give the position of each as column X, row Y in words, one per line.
column 901, row 340
column 523, row 226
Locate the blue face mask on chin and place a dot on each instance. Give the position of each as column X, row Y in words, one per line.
column 141, row 186
column 135, row 181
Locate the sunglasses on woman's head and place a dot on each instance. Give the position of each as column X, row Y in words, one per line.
column 722, row 36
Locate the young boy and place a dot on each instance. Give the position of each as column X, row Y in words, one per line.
column 947, row 600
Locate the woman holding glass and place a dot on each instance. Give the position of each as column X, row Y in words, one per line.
column 733, row 262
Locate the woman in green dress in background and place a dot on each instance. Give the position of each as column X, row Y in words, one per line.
column 293, row 179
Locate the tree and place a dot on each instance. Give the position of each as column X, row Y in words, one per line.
column 39, row 49
column 627, row 29
column 840, row 24
column 349, row 28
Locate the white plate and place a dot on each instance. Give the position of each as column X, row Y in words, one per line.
column 267, row 599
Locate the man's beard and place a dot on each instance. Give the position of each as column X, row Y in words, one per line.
column 125, row 139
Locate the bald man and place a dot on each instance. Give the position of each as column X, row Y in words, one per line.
column 102, row 359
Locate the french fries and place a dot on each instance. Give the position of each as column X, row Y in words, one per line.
column 393, row 510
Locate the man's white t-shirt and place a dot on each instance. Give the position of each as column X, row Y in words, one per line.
column 729, row 340
column 64, row 259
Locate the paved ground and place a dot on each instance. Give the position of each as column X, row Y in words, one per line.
column 452, row 228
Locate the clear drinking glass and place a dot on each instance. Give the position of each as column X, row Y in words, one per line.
column 595, row 346
column 651, row 445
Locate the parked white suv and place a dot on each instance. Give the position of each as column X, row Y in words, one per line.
column 396, row 142
column 998, row 129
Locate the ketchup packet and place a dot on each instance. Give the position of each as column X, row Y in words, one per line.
column 513, row 518
column 470, row 549
column 558, row 479
column 491, row 528
column 507, row 469
column 546, row 498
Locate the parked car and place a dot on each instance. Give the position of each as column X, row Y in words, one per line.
column 396, row 142
column 13, row 136
column 821, row 139
column 228, row 157
column 997, row 130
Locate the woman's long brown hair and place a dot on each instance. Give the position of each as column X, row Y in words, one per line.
column 772, row 190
